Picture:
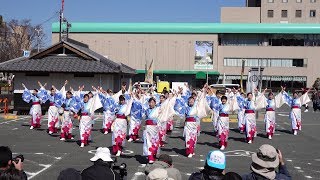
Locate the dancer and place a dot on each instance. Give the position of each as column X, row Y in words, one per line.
column 135, row 118
column 35, row 110
column 86, row 109
column 251, row 104
column 241, row 111
column 119, row 134
column 162, row 124
column 66, row 121
column 224, row 109
column 295, row 103
column 108, row 110
column 195, row 109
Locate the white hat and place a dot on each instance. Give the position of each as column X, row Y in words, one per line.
column 102, row 153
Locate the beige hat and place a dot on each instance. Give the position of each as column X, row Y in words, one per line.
column 265, row 161
column 158, row 174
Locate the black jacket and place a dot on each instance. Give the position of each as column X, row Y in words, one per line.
column 206, row 175
column 15, row 172
column 283, row 174
column 99, row 171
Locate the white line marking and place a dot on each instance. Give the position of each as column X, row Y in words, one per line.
column 14, row 128
column 297, row 167
column 188, row 174
column 309, row 177
column 289, row 160
column 285, row 115
column 309, row 163
column 38, row 153
column 46, row 166
column 174, row 155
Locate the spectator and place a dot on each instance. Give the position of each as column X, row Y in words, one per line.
column 8, row 167
column 264, row 164
column 164, row 161
column 101, row 169
column 69, row 174
column 316, row 100
column 213, row 168
column 232, row 176
column 12, row 174
column 158, row 174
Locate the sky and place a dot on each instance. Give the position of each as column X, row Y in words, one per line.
column 45, row 12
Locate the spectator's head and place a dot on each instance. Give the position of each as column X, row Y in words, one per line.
column 5, row 157
column 232, row 176
column 86, row 98
column 265, row 161
column 12, row 174
column 165, row 158
column 158, row 174
column 69, row 174
column 216, row 161
column 102, row 153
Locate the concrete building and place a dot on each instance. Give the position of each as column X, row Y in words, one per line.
column 186, row 51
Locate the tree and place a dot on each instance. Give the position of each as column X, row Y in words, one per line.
column 316, row 84
column 17, row 36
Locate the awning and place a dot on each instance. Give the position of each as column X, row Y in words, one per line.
column 201, row 75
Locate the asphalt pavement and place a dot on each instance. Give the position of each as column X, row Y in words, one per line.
column 46, row 156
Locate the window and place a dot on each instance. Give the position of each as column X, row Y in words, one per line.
column 299, row 1
column 313, row 1
column 284, row 13
column 313, row 13
column 284, row 1
column 270, row 1
column 270, row 13
column 298, row 13
column 297, row 62
column 255, row 62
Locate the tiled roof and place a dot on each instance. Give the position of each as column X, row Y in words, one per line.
column 68, row 63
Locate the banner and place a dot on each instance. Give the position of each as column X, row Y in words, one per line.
column 149, row 74
column 203, row 58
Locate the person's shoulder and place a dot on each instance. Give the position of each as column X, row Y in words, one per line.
column 247, row 176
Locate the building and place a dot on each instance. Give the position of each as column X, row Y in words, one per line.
column 65, row 61
column 287, row 48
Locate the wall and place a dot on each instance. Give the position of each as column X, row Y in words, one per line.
column 291, row 6
column 240, row 15
column 169, row 51
column 58, row 79
column 312, row 55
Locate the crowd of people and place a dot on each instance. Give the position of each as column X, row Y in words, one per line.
column 267, row 164
column 133, row 107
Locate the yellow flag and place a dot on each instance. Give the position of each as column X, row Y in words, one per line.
column 149, row 74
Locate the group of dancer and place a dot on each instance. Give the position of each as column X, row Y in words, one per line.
column 132, row 107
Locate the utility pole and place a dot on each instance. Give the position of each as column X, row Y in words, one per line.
column 242, row 72
column 60, row 20
column 38, row 29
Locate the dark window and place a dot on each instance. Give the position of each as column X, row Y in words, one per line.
column 313, row 13
column 37, row 74
column 270, row 13
column 284, row 13
column 83, row 75
column 297, row 62
column 298, row 13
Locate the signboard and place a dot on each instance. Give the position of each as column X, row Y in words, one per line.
column 203, row 58
column 26, row 53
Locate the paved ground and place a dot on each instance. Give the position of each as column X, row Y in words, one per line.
column 46, row 156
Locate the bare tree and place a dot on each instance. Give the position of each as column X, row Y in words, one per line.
column 17, row 36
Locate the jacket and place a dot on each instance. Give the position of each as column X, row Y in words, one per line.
column 206, row 175
column 172, row 172
column 283, row 174
column 99, row 171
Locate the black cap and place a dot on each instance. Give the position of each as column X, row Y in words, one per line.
column 165, row 158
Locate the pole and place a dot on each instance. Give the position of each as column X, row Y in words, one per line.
column 38, row 37
column 60, row 26
column 61, row 18
column 242, row 72
column 207, row 59
column 260, row 78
